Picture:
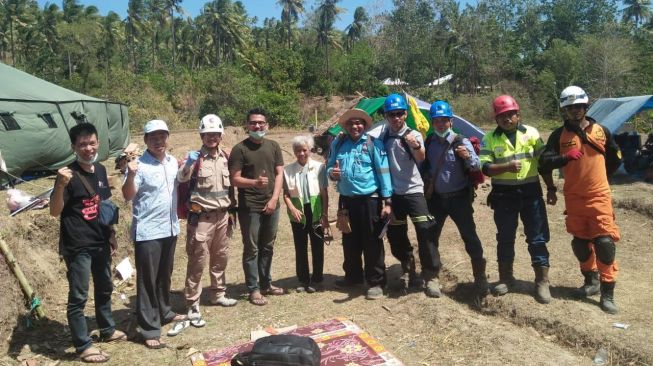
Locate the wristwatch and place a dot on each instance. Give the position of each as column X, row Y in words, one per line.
column 388, row 201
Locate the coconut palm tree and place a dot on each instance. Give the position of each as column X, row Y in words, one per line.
column 327, row 14
column 134, row 26
column 638, row 10
column 172, row 6
column 228, row 28
column 290, row 14
column 356, row 29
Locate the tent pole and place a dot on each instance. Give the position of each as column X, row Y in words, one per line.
column 22, row 280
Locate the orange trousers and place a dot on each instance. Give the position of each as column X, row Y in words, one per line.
column 589, row 218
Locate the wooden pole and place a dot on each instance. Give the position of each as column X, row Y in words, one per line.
column 22, row 280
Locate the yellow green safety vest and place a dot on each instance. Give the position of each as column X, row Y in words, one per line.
column 496, row 148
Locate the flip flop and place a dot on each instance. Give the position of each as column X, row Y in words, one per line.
column 116, row 336
column 159, row 344
column 257, row 299
column 93, row 355
column 272, row 290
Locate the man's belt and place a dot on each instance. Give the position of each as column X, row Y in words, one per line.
column 452, row 194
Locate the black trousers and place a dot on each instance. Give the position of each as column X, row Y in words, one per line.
column 301, row 233
column 459, row 207
column 364, row 218
column 154, row 262
column 413, row 205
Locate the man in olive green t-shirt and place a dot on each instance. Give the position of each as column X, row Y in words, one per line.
column 256, row 169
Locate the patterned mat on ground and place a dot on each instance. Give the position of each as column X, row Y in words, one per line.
column 341, row 342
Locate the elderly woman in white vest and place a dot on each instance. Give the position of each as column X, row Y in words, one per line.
column 307, row 200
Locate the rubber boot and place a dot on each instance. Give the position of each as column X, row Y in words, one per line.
column 506, row 279
column 592, row 284
column 481, row 287
column 542, row 293
column 432, row 284
column 607, row 298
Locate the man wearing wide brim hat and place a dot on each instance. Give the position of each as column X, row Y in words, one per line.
column 359, row 164
column 355, row 113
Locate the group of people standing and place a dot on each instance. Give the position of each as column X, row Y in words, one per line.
column 384, row 175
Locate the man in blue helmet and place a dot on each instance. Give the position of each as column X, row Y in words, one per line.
column 449, row 159
column 405, row 148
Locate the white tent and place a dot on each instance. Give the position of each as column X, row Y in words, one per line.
column 397, row 81
column 441, row 81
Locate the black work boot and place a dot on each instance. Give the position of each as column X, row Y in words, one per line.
column 432, row 283
column 409, row 277
column 481, row 287
column 607, row 298
column 542, row 293
column 506, row 279
column 591, row 286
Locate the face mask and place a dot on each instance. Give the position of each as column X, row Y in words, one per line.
column 88, row 162
column 257, row 134
column 442, row 134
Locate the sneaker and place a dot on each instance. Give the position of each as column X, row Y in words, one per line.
column 374, row 293
column 305, row 288
column 178, row 327
column 224, row 301
column 195, row 317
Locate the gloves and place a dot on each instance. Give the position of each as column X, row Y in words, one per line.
column 573, row 154
column 192, row 157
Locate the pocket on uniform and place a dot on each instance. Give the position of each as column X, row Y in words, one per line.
column 204, row 177
column 226, row 182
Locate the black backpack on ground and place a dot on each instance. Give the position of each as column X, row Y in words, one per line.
column 280, row 350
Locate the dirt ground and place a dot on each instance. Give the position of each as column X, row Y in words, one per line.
column 453, row 330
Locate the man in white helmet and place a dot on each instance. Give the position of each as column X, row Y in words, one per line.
column 587, row 154
column 206, row 234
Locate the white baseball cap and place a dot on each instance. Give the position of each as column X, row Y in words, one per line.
column 155, row 125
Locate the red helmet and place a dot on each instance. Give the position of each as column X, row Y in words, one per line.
column 504, row 103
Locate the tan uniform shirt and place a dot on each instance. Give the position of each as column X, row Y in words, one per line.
column 212, row 188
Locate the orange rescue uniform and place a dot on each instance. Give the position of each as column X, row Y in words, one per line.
column 588, row 199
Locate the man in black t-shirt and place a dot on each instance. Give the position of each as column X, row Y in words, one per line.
column 83, row 241
column 256, row 169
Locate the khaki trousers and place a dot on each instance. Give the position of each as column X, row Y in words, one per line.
column 207, row 239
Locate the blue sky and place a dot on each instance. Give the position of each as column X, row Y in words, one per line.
column 258, row 8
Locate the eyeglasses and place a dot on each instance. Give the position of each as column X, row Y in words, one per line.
column 254, row 123
column 395, row 114
column 574, row 106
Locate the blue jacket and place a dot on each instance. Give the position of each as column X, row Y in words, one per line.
column 363, row 171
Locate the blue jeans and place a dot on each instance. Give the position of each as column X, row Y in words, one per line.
column 95, row 261
column 259, row 232
column 536, row 228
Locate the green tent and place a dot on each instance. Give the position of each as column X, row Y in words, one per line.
column 375, row 105
column 35, row 117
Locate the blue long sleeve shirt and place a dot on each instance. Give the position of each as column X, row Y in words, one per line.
column 363, row 172
column 451, row 176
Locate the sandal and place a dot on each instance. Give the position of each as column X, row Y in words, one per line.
column 93, row 355
column 257, row 299
column 272, row 290
column 115, row 336
column 153, row 345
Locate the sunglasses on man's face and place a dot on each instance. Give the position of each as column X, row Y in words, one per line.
column 395, row 114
